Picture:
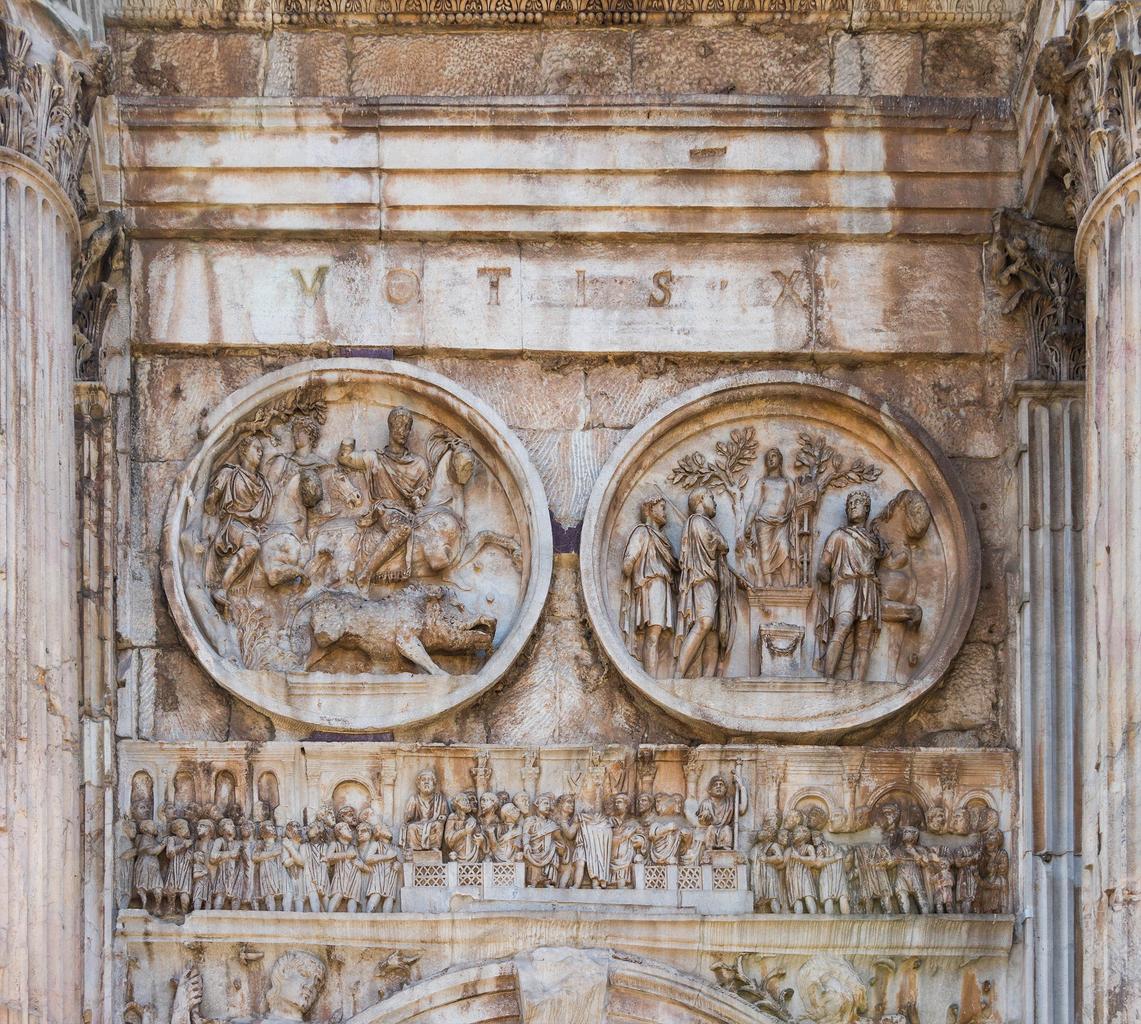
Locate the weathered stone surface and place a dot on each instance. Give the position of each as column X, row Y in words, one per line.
column 307, row 64
column 744, row 61
column 189, row 63
column 454, row 64
column 973, row 63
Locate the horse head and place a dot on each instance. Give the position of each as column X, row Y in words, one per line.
column 454, row 463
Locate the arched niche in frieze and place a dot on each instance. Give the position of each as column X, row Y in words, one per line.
column 778, row 554
column 357, row 545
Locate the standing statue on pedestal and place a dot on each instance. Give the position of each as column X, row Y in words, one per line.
column 649, row 570
column 707, row 591
column 849, row 599
column 769, row 524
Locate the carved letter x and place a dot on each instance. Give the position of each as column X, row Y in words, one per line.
column 789, row 289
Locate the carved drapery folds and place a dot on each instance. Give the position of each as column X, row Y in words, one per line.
column 1093, row 79
column 45, row 109
column 1032, row 265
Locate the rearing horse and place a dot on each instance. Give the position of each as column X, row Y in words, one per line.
column 440, row 540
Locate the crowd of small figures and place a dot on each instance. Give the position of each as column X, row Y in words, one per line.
column 197, row 858
column 796, row 868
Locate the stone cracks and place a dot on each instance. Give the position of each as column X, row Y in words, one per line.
column 1093, row 79
column 45, row 109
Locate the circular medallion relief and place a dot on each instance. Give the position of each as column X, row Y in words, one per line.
column 356, row 545
column 779, row 554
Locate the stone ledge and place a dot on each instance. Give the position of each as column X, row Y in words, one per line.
column 498, row 934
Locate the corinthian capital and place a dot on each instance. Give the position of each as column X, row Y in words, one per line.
column 1032, row 265
column 46, row 108
column 1093, row 79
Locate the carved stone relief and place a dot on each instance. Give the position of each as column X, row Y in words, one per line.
column 372, row 828
column 356, row 545
column 776, row 554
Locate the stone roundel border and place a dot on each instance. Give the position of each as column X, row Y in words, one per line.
column 214, row 430
column 913, row 440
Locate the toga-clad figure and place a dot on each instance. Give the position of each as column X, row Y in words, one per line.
column 649, row 570
column 240, row 497
column 425, row 814
column 849, row 609
column 398, row 483
column 707, row 590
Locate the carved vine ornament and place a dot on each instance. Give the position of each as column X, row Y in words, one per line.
column 45, row 109
column 1093, row 79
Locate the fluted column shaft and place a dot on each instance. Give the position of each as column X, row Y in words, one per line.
column 1109, row 249
column 1093, row 79
column 40, row 831
column 46, row 103
column 1051, row 421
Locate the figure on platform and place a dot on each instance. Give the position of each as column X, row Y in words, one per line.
column 707, row 591
column 200, row 872
column 626, row 844
column 380, row 867
column 344, row 885
column 240, row 497
column 940, row 879
column 800, row 882
column 769, row 534
column 179, row 851
column 720, row 810
column 668, row 833
column 398, row 481
column 425, row 814
column 463, row 838
column 909, row 882
column 247, row 869
column 649, row 570
column 270, row 871
column 849, row 602
column 765, row 868
column 568, row 842
column 147, row 869
column 833, row 882
column 540, row 852
column 295, row 861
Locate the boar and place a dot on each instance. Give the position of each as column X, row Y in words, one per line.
column 408, row 623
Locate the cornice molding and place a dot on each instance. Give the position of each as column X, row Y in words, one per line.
column 364, row 14
column 46, row 108
column 1092, row 77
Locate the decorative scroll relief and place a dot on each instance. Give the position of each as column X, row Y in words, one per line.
column 774, row 554
column 356, row 545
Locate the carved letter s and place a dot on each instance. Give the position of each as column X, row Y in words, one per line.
column 663, row 280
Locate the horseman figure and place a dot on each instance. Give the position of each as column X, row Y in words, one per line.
column 417, row 505
column 398, row 481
